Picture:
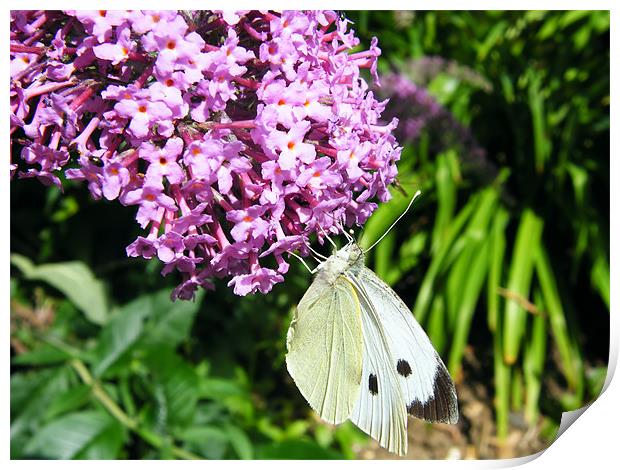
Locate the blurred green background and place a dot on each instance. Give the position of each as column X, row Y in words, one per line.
column 504, row 260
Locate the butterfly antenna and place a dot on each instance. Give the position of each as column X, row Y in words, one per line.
column 311, row 271
column 327, row 236
column 415, row 196
column 315, row 253
column 345, row 232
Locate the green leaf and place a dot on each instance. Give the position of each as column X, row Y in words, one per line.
column 120, row 334
column 446, row 200
column 179, row 385
column 471, row 287
column 600, row 277
column 70, row 400
column 534, row 361
column 210, row 441
column 497, row 250
column 542, row 144
column 106, row 445
column 66, row 437
column 519, row 282
column 501, row 378
column 32, row 393
column 240, row 442
column 425, row 294
column 170, row 322
column 44, row 355
column 74, row 279
column 570, row 355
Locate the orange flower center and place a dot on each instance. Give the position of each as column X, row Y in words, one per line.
column 142, row 109
column 247, row 218
column 291, row 145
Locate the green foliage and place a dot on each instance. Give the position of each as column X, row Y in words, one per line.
column 133, row 388
column 506, row 256
column 529, row 220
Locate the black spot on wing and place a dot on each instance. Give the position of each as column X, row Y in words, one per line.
column 403, row 368
column 442, row 406
column 373, row 385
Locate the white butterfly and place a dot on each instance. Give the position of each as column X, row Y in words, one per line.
column 356, row 352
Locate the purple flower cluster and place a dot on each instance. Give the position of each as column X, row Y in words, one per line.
column 238, row 135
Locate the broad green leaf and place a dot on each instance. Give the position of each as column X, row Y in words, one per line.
column 106, row 445
column 210, row 441
column 65, row 437
column 74, row 279
column 170, row 322
column 32, row 393
column 240, row 442
column 120, row 334
column 179, row 385
column 66, row 401
column 44, row 355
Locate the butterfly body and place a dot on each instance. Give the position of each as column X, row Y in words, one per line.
column 356, row 352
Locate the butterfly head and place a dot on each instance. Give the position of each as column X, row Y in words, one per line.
column 351, row 254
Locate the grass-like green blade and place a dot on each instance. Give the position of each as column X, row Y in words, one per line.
column 466, row 250
column 570, row 356
column 446, row 200
column 542, row 145
column 519, row 282
column 471, row 289
column 436, row 328
column 534, row 360
column 425, row 295
column 516, row 393
column 502, row 386
column 384, row 266
column 497, row 250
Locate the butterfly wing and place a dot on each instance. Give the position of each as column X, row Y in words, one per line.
column 324, row 344
column 426, row 383
column 380, row 409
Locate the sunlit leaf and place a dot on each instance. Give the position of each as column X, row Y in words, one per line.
column 67, row 436
column 74, row 279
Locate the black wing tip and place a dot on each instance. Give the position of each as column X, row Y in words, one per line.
column 442, row 407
